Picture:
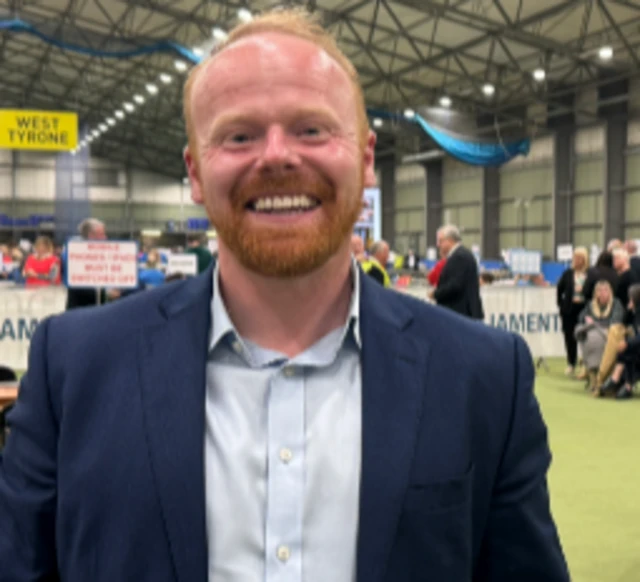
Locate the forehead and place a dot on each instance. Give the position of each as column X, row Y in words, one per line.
column 270, row 61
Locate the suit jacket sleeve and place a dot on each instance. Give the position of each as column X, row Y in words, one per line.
column 454, row 284
column 521, row 542
column 28, row 476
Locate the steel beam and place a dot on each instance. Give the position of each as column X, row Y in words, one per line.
column 434, row 175
column 490, row 229
column 387, row 168
column 615, row 177
column 563, row 179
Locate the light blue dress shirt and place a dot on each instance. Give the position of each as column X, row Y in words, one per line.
column 283, row 455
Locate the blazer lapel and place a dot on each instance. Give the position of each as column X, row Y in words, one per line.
column 393, row 374
column 173, row 379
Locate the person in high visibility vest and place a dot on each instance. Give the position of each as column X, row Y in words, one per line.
column 374, row 265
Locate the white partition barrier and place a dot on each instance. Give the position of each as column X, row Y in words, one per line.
column 20, row 312
column 529, row 311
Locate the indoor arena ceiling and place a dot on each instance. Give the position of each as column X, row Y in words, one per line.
column 409, row 53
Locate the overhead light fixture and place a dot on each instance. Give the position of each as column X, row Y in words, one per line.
column 74, row 152
column 129, row 107
column 219, row 34
column 605, row 53
column 111, row 121
column 377, row 122
column 198, row 51
column 539, row 75
column 103, row 127
column 185, row 181
column 488, row 89
column 119, row 114
column 244, row 14
column 180, row 66
column 165, row 78
column 151, row 232
column 89, row 138
column 445, row 101
column 95, row 133
column 138, row 99
column 409, row 113
column 152, row 89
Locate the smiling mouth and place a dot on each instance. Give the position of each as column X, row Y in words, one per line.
column 283, row 204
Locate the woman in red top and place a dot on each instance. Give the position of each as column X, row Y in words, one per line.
column 42, row 268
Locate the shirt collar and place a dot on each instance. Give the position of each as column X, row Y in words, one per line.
column 454, row 249
column 222, row 326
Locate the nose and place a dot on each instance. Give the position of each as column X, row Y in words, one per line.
column 277, row 153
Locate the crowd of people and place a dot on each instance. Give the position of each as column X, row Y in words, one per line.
column 41, row 264
column 600, row 311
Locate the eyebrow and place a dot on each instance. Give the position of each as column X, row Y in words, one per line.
column 227, row 119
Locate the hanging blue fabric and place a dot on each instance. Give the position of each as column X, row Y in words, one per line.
column 166, row 46
column 472, row 151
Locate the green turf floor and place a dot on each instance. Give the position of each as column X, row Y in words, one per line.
column 595, row 477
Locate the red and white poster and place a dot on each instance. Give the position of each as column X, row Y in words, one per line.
column 100, row 264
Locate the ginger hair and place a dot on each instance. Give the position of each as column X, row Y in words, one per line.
column 293, row 22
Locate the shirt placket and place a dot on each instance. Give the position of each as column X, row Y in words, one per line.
column 285, row 476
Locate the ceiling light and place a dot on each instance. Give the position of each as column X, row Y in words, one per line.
column 111, row 121
column 119, row 114
column 377, row 122
column 166, row 79
column 138, row 99
column 129, row 107
column 445, row 101
column 244, row 15
column 198, row 51
column 409, row 113
column 488, row 89
column 152, row 89
column 185, row 181
column 219, row 34
column 103, row 127
column 605, row 53
column 539, row 75
column 89, row 138
column 95, row 133
column 180, row 66
column 74, row 152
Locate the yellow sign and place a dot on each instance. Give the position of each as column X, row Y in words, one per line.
column 38, row 130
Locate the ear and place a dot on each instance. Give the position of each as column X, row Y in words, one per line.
column 194, row 177
column 369, row 161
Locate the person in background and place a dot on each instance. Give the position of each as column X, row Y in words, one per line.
column 602, row 270
column 152, row 274
column 614, row 244
column 42, row 267
column 375, row 264
column 459, row 286
column 197, row 245
column 599, row 316
column 357, row 248
column 634, row 260
column 625, row 372
column 88, row 229
column 626, row 278
column 433, row 277
column 411, row 261
column 571, row 301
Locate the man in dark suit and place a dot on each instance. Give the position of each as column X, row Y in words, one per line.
column 459, row 285
column 279, row 414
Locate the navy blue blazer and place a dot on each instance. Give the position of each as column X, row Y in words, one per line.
column 102, row 478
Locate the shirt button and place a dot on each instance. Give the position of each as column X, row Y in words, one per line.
column 237, row 348
column 283, row 553
column 286, row 455
column 289, row 371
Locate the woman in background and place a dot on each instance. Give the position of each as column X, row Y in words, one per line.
column 571, row 302
column 42, row 267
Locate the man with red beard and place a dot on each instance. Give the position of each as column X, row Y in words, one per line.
column 281, row 417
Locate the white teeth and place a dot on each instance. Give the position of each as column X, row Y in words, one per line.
column 284, row 203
